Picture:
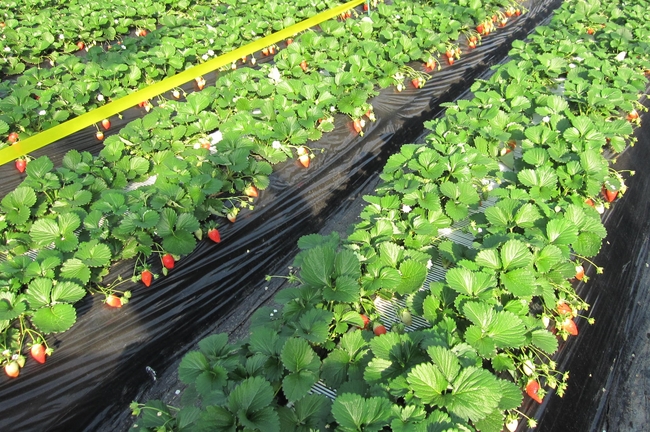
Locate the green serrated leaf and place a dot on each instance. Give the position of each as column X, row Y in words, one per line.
column 55, row 319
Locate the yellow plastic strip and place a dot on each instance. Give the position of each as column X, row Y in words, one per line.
column 62, row 130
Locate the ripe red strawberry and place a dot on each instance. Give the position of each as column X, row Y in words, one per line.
column 532, row 389
column 378, row 329
column 303, row 66
column 590, row 202
column 251, row 191
column 590, row 31
column 358, row 127
column 21, row 164
column 450, row 53
column 609, row 195
column 517, row 11
column 471, row 44
column 214, row 235
column 416, row 82
column 632, row 115
column 271, row 50
column 106, row 124
column 580, row 272
column 81, row 45
column 365, row 320
column 113, row 301
column 265, row 51
column 168, row 261
column 12, row 369
column 12, row 138
column 289, row 41
column 450, row 60
column 365, row 7
column 141, row 32
column 205, row 145
column 146, row 277
column 570, row 326
column 480, row 28
column 304, row 160
column 100, row 135
column 38, row 353
column 564, row 308
column 431, row 64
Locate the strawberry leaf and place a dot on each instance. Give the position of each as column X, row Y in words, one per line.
column 318, row 266
column 545, row 340
column 251, row 395
column 520, row 282
column 192, row 366
column 68, row 292
column 94, row 254
column 55, row 319
column 17, row 203
column 308, row 413
column 314, row 325
column 353, row 412
column 413, row 274
column 428, row 383
column 475, row 394
column 75, row 269
column 9, row 308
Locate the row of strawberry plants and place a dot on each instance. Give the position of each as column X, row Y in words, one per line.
column 489, row 318
column 262, row 116
column 35, row 32
column 45, row 97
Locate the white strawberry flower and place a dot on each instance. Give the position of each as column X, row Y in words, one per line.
column 253, row 61
column 546, row 119
column 332, row 108
column 211, row 41
column 42, row 112
column 406, row 208
column 211, row 53
column 216, row 137
column 276, row 144
column 275, row 75
column 38, row 84
column 123, row 46
column 7, row 49
column 621, row 56
column 116, row 21
column 197, row 146
column 61, row 37
column 445, row 231
column 204, row 57
column 429, row 264
column 100, row 97
column 572, row 66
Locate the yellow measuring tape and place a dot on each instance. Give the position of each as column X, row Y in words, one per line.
column 62, row 130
